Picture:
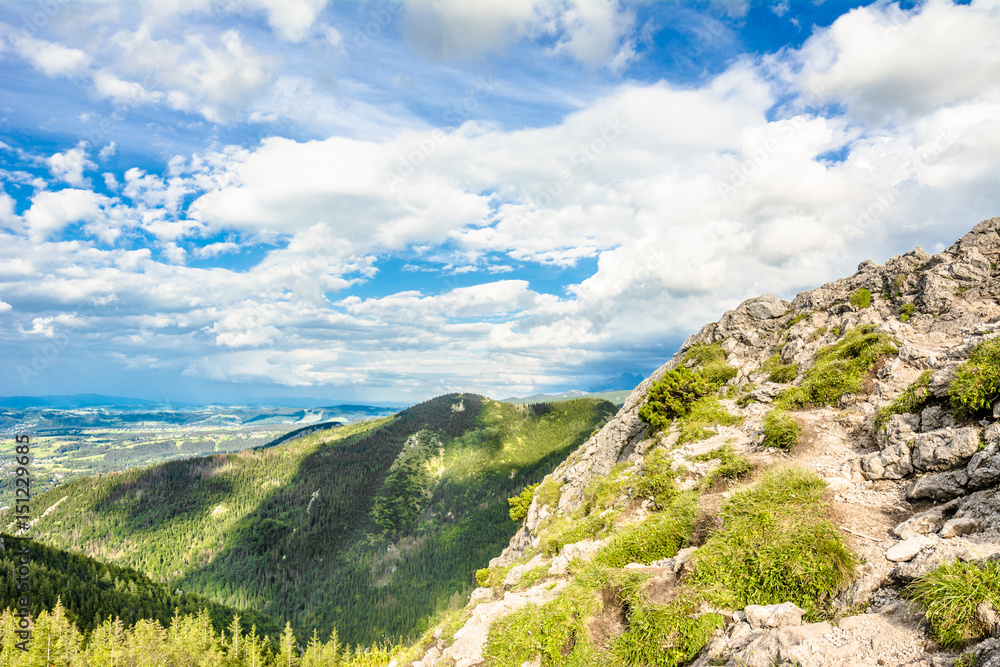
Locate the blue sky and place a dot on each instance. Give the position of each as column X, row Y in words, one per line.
column 211, row 200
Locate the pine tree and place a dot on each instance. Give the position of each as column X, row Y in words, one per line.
column 289, row 653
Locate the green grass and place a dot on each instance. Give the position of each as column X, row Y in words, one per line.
column 913, row 399
column 951, row 593
column 731, row 466
column 780, row 430
column 665, row 635
column 711, row 360
column 977, row 381
column 556, row 632
column 704, row 414
column 775, row 545
column 659, row 536
column 839, row 369
column 795, row 320
column 906, row 311
column 779, row 372
column 861, row 298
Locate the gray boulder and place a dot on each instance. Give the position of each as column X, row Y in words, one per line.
column 773, row 615
column 939, row 486
column 944, row 448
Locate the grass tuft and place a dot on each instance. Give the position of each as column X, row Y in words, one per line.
column 977, row 381
column 659, row 536
column 665, row 635
column 906, row 311
column 731, row 466
column 775, row 545
column 780, row 430
column 913, row 399
column 951, row 594
column 861, row 298
column 779, row 372
column 839, row 369
column 705, row 413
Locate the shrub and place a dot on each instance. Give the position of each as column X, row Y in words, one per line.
column 977, row 381
column 659, row 536
column 913, row 399
column 780, row 430
column 951, row 593
column 779, row 372
column 672, row 396
column 906, row 311
column 839, row 368
column 861, row 298
column 520, row 503
column 775, row 545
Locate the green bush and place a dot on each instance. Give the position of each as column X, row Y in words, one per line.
column 906, row 311
column 779, row 372
column 520, row 503
column 977, row 381
column 775, row 545
column 839, row 369
column 861, row 298
column 659, row 536
column 672, row 396
column 951, row 593
column 780, row 430
column 913, row 399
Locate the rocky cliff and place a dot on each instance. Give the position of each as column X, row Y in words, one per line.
column 911, row 481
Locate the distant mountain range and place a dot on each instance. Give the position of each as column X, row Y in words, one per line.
column 75, row 401
column 623, row 382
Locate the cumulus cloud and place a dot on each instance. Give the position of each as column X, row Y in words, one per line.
column 887, row 62
column 5, row 307
column 69, row 165
column 48, row 57
column 596, row 33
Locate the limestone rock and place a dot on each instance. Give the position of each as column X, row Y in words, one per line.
column 893, row 462
column 774, row 615
column 959, row 526
column 513, row 577
column 939, row 486
column 935, row 417
column 984, row 467
column 929, row 521
column 906, row 550
column 936, row 293
column 944, row 448
column 988, row 617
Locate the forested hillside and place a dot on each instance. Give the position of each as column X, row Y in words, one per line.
column 368, row 528
column 93, row 592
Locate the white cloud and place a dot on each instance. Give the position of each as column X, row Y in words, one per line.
column 5, row 307
column 124, row 93
column 216, row 249
column 50, row 58
column 51, row 211
column 108, row 151
column 886, row 62
column 291, row 19
column 597, row 33
column 69, row 165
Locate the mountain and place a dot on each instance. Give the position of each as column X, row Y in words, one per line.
column 624, row 382
column 368, row 528
column 796, row 466
column 73, row 401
